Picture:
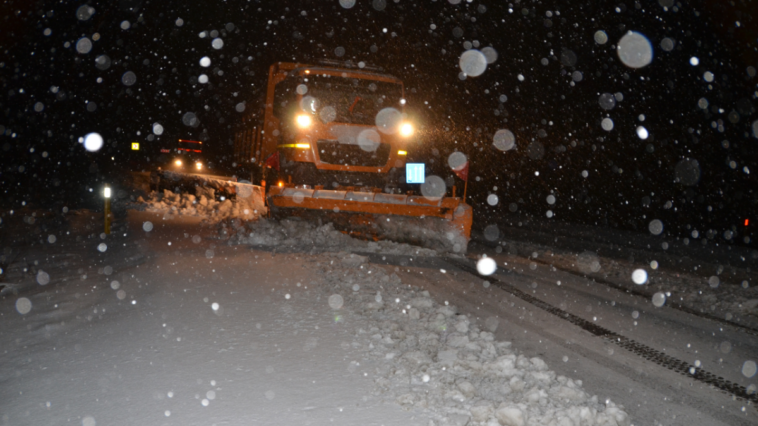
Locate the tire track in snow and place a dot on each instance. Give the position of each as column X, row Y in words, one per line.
column 634, row 292
column 644, row 351
column 673, row 305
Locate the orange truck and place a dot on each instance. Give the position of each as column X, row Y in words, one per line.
column 330, row 145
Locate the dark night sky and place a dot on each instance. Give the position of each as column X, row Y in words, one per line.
column 629, row 180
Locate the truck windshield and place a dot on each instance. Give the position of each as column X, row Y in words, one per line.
column 347, row 100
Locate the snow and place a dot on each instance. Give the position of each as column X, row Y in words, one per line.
column 198, row 322
column 300, row 235
column 682, row 273
column 243, row 210
column 247, row 204
column 470, row 375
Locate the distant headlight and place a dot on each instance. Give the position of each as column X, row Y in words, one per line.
column 303, row 121
column 178, row 163
column 199, row 165
column 406, row 129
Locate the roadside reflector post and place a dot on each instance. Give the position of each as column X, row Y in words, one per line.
column 454, row 191
column 107, row 196
column 465, row 187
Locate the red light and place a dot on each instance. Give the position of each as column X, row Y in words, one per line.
column 747, row 221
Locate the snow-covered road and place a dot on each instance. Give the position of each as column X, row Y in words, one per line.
column 653, row 393
column 177, row 323
column 198, row 333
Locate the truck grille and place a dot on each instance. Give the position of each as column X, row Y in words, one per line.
column 333, row 152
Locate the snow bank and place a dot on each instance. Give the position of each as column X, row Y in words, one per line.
column 241, row 221
column 442, row 363
column 247, row 205
column 206, row 196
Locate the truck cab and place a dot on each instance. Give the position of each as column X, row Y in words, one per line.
column 332, row 127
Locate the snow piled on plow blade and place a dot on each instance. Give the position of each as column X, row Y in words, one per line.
column 303, row 236
column 212, row 198
column 441, row 224
column 431, row 232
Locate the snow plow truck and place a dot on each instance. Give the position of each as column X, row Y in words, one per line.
column 330, row 145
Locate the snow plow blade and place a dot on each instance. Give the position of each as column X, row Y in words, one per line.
column 442, row 224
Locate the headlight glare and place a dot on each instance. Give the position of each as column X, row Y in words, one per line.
column 303, row 121
column 406, row 129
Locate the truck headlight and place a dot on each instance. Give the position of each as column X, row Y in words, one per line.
column 178, row 163
column 406, row 129
column 199, row 165
column 303, row 121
